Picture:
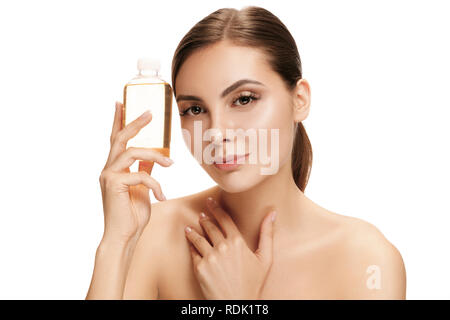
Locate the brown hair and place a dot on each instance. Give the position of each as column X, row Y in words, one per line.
column 258, row 28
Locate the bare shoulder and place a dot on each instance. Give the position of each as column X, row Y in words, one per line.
column 168, row 219
column 168, row 216
column 371, row 267
column 163, row 234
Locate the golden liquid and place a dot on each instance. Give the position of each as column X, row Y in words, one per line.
column 155, row 135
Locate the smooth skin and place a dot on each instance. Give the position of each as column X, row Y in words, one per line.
column 216, row 262
column 126, row 207
column 237, row 251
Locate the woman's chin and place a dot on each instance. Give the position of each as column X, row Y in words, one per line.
column 234, row 181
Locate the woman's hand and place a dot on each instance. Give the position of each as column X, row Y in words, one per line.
column 227, row 268
column 126, row 202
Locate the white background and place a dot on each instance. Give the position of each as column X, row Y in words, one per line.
column 379, row 75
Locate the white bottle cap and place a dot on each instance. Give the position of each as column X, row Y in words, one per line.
column 148, row 64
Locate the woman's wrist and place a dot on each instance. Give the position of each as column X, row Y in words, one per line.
column 116, row 248
column 107, row 248
column 112, row 261
column 110, row 240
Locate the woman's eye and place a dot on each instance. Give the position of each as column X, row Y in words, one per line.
column 195, row 110
column 245, row 99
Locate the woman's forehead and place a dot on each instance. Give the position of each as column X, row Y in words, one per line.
column 219, row 65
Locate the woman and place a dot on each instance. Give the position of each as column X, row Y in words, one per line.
column 261, row 238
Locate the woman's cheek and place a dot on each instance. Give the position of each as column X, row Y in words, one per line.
column 279, row 134
column 187, row 134
column 192, row 139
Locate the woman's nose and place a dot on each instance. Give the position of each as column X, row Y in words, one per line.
column 218, row 138
column 219, row 126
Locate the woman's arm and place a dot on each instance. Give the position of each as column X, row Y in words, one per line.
column 112, row 261
column 150, row 254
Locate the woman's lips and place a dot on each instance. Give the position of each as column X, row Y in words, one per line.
column 231, row 162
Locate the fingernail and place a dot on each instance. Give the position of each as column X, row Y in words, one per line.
column 202, row 215
column 211, row 200
column 187, row 229
column 274, row 214
column 146, row 114
column 168, row 160
column 163, row 197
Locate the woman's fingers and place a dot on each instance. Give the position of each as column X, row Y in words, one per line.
column 196, row 257
column 127, row 158
column 211, row 229
column 117, row 179
column 265, row 246
column 117, row 126
column 132, row 128
column 120, row 137
column 222, row 218
column 117, row 121
column 199, row 242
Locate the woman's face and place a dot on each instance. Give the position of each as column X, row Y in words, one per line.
column 250, row 111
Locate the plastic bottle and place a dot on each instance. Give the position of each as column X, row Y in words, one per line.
column 147, row 90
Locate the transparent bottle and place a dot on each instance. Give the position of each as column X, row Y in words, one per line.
column 147, row 90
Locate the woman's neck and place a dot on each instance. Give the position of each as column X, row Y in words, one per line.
column 248, row 208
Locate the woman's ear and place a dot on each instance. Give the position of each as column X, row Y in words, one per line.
column 302, row 100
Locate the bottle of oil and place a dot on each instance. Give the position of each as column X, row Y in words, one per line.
column 147, row 90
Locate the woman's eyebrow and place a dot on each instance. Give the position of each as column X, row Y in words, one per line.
column 234, row 86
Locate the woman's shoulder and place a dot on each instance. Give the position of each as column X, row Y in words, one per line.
column 162, row 245
column 370, row 266
column 364, row 237
column 182, row 207
column 353, row 233
column 168, row 218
